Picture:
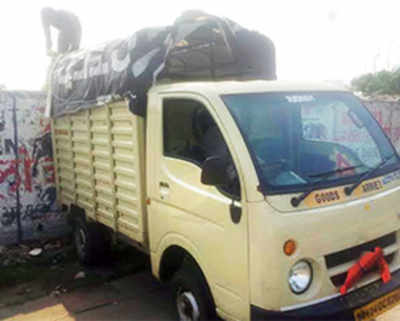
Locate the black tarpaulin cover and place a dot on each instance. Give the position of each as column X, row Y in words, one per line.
column 196, row 46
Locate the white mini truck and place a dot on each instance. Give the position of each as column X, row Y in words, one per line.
column 252, row 198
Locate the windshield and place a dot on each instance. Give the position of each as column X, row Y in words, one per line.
column 309, row 139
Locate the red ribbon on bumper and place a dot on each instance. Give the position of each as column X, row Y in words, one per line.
column 368, row 261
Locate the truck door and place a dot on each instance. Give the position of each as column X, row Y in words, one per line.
column 211, row 220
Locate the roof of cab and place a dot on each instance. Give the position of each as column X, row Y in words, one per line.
column 250, row 86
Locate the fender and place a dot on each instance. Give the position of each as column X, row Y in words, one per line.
column 174, row 239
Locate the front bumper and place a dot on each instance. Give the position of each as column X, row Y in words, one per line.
column 339, row 308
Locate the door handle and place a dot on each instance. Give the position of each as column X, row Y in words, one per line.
column 164, row 190
column 164, row 184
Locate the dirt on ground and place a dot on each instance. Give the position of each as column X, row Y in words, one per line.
column 50, row 268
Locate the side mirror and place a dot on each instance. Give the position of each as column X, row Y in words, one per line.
column 214, row 171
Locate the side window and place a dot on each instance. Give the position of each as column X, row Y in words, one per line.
column 181, row 139
column 190, row 133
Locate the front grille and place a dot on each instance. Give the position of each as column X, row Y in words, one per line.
column 351, row 255
column 338, row 279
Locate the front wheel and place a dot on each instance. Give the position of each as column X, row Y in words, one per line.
column 192, row 296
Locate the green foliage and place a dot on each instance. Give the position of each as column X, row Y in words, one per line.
column 379, row 83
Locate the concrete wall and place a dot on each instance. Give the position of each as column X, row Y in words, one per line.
column 27, row 193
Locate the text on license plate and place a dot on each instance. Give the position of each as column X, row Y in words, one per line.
column 377, row 307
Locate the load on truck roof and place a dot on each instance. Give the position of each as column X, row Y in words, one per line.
column 197, row 46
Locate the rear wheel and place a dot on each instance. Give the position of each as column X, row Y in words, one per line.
column 192, row 297
column 91, row 242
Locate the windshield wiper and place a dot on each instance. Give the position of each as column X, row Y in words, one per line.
column 350, row 189
column 339, row 170
column 295, row 201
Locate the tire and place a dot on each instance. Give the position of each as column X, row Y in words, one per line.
column 91, row 242
column 191, row 294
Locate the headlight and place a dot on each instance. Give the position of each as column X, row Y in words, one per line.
column 300, row 277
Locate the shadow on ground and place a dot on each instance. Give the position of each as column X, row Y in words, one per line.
column 134, row 297
column 122, row 288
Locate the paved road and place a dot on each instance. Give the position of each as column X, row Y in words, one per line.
column 136, row 297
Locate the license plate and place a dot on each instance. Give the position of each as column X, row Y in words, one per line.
column 377, row 307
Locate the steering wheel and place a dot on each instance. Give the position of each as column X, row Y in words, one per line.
column 276, row 165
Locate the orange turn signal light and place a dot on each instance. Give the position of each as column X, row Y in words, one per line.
column 289, row 247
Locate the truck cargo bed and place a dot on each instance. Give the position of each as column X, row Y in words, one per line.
column 99, row 160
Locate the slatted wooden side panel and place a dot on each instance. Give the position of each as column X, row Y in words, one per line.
column 100, row 166
column 81, row 148
column 128, row 169
column 63, row 160
column 104, row 171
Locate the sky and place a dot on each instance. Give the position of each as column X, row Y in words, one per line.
column 315, row 39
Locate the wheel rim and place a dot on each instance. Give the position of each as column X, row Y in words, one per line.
column 80, row 241
column 188, row 308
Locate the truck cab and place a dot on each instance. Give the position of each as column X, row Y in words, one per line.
column 238, row 172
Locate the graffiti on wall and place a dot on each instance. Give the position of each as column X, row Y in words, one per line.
column 387, row 113
column 26, row 167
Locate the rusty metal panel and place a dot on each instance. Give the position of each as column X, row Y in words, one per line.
column 100, row 164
